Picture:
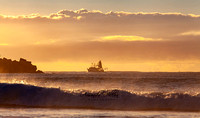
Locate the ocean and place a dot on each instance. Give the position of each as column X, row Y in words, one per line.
column 108, row 94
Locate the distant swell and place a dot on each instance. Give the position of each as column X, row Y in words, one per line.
column 32, row 96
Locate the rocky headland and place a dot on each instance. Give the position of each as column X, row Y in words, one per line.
column 21, row 66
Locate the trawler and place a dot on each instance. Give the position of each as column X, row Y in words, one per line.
column 96, row 67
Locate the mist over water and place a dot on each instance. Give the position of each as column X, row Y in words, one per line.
column 137, row 82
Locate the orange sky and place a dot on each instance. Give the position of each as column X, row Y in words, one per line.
column 124, row 41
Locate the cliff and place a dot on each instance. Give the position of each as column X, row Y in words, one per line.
column 21, row 66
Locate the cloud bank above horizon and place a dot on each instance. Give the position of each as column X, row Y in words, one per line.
column 45, row 7
column 84, row 36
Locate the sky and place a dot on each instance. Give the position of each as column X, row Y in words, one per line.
column 127, row 35
column 45, row 7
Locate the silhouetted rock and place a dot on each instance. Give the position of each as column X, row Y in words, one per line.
column 21, row 66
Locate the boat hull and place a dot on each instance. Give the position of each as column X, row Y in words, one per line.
column 92, row 69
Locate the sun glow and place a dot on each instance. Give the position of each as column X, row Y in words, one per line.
column 14, row 81
column 3, row 44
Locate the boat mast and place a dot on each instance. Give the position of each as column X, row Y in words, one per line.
column 100, row 64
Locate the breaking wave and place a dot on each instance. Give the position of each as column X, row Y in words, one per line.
column 20, row 95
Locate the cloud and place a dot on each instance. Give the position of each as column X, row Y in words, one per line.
column 125, row 38
column 43, row 42
column 152, row 25
column 192, row 33
column 96, row 14
column 128, row 51
column 87, row 25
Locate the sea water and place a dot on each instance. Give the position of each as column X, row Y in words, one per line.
column 85, row 113
column 109, row 94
